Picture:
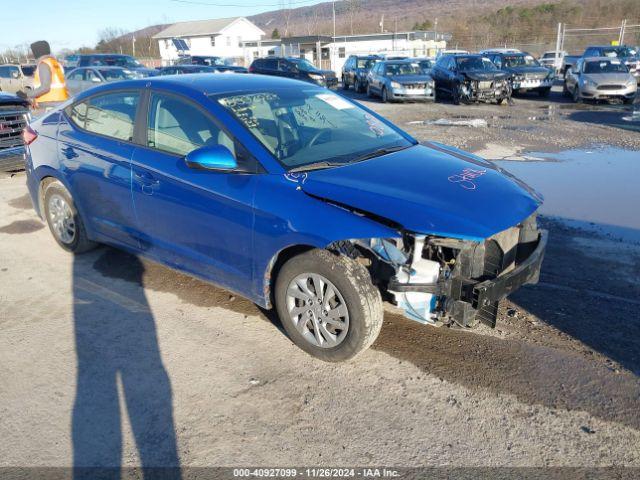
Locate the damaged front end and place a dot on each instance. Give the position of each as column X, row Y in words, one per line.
column 445, row 281
column 495, row 90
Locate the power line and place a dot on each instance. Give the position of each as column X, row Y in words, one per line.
column 216, row 4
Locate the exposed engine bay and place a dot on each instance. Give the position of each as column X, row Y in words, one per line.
column 472, row 90
column 445, row 281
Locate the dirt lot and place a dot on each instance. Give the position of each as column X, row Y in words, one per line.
column 119, row 361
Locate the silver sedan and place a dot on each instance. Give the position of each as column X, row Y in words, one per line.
column 601, row 78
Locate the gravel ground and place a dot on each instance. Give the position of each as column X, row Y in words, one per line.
column 112, row 360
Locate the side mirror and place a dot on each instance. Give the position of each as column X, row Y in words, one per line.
column 15, row 74
column 215, row 157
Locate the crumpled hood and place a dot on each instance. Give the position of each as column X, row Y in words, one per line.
column 326, row 73
column 483, row 75
column 411, row 78
column 432, row 189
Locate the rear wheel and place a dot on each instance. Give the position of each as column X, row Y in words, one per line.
column 328, row 305
column 64, row 220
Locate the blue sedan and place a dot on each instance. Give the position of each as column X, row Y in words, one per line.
column 290, row 195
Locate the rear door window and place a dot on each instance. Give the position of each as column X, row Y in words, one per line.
column 112, row 114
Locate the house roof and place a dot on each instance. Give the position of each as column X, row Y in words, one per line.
column 196, row 28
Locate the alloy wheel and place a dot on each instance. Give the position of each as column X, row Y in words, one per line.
column 317, row 309
column 61, row 218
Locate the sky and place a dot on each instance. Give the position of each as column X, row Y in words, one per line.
column 75, row 23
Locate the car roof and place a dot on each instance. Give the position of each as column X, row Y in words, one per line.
column 599, row 59
column 199, row 83
column 104, row 55
column 99, row 67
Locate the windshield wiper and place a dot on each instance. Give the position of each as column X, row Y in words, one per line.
column 380, row 152
column 315, row 166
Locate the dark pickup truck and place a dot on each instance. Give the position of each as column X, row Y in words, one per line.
column 14, row 115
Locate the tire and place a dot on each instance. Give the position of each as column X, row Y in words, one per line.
column 565, row 90
column 455, row 94
column 345, row 85
column 369, row 92
column 357, row 86
column 385, row 95
column 576, row 95
column 544, row 92
column 57, row 200
column 355, row 291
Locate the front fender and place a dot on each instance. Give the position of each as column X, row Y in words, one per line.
column 285, row 216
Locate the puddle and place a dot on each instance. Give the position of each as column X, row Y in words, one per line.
column 595, row 189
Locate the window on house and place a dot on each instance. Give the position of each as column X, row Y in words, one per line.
column 213, row 41
column 228, row 41
column 342, row 52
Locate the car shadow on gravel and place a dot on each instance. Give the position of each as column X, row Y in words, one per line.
column 119, row 362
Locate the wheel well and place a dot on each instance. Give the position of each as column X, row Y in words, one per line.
column 41, row 188
column 276, row 264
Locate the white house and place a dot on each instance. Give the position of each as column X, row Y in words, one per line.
column 334, row 51
column 222, row 37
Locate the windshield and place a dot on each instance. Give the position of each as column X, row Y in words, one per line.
column 28, row 70
column 304, row 65
column 425, row 64
column 605, row 66
column 365, row 63
column 619, row 52
column 550, row 55
column 213, row 61
column 305, row 127
column 113, row 74
column 474, row 63
column 129, row 62
column 400, row 69
column 519, row 61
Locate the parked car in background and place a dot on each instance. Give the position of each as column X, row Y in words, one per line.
column 488, row 51
column 293, row 67
column 470, row 78
column 355, row 71
column 425, row 64
column 13, row 79
column 29, row 69
column 569, row 63
column 82, row 78
column 70, row 61
column 14, row 116
column 550, row 60
column 525, row 72
column 183, row 69
column 114, row 60
column 290, row 195
column 397, row 80
column 628, row 55
column 601, row 78
column 452, row 51
column 221, row 64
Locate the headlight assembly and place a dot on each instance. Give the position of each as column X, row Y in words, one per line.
column 395, row 85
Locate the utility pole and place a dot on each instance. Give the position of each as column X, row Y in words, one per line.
column 133, row 46
column 556, row 62
column 623, row 27
column 333, row 7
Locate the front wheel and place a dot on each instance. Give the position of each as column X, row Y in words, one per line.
column 369, row 91
column 544, row 92
column 64, row 220
column 328, row 305
column 385, row 95
column 345, row 85
column 577, row 98
column 455, row 94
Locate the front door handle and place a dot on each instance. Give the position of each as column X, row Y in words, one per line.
column 146, row 181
